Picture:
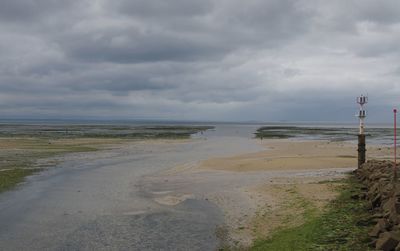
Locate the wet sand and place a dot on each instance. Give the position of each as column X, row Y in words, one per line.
column 244, row 186
column 253, row 190
column 289, row 155
column 98, row 201
column 170, row 195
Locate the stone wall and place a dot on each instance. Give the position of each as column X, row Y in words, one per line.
column 383, row 196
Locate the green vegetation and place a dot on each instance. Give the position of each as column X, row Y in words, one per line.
column 19, row 156
column 10, row 178
column 22, row 146
column 327, row 133
column 100, row 131
column 17, row 153
column 293, row 131
column 343, row 225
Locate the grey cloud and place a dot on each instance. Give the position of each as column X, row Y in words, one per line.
column 271, row 18
column 384, row 12
column 378, row 48
column 31, row 10
column 157, row 8
column 118, row 80
column 132, row 47
column 216, row 60
column 232, row 25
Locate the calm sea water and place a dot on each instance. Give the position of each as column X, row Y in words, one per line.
column 376, row 133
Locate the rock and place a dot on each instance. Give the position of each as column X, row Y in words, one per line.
column 372, row 244
column 397, row 206
column 383, row 200
column 389, row 204
column 388, row 241
column 376, row 202
column 394, row 210
column 380, row 227
column 377, row 215
column 363, row 196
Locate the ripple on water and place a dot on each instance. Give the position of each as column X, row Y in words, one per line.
column 188, row 226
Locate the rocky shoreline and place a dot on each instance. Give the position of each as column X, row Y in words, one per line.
column 383, row 196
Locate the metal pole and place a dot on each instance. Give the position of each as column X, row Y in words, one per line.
column 395, row 144
column 361, row 150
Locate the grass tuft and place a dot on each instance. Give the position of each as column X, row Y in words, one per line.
column 12, row 177
column 336, row 228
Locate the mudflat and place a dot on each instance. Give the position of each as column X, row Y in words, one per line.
column 101, row 199
column 27, row 148
column 192, row 194
column 262, row 191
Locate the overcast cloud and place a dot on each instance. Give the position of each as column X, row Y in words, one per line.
column 266, row 60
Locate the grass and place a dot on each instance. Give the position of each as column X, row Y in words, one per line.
column 53, row 131
column 282, row 132
column 24, row 152
column 19, row 156
column 343, row 225
column 12, row 177
column 327, row 133
column 21, row 146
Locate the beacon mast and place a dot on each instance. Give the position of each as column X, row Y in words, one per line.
column 361, row 100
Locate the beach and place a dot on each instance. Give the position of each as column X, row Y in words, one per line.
column 198, row 125
column 258, row 191
column 223, row 188
column 262, row 191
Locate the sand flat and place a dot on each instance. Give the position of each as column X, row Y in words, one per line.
column 260, row 192
column 257, row 192
column 289, row 155
column 246, row 194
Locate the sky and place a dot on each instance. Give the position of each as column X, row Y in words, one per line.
column 208, row 60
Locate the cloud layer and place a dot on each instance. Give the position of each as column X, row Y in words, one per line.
column 235, row 60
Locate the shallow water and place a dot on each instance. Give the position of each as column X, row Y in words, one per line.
column 97, row 201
